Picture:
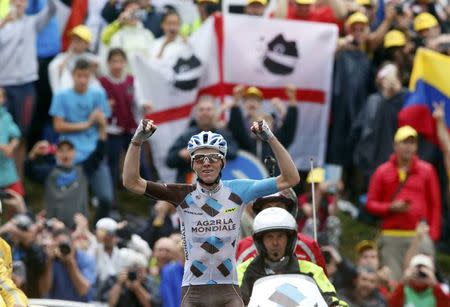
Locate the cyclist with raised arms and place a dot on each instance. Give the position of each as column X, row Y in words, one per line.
column 210, row 210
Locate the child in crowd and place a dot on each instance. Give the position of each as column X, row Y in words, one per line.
column 119, row 87
column 9, row 140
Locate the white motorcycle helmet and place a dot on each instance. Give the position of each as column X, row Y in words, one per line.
column 207, row 139
column 274, row 219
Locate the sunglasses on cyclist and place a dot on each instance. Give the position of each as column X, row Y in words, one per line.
column 201, row 158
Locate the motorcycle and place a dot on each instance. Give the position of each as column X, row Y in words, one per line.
column 286, row 290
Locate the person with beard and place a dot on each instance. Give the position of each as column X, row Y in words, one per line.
column 306, row 248
column 275, row 237
column 206, row 114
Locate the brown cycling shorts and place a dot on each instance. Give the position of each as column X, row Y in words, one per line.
column 211, row 295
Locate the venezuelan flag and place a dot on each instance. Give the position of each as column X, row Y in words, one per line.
column 430, row 82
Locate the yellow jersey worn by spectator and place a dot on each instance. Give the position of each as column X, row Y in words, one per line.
column 4, row 8
column 10, row 295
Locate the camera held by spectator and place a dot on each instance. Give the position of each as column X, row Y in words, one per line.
column 133, row 286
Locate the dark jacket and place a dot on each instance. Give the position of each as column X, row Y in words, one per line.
column 285, row 133
column 183, row 166
column 257, row 269
column 373, row 131
column 351, row 86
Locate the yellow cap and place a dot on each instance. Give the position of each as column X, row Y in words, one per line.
column 404, row 132
column 253, row 91
column 82, row 32
column 263, row 2
column 365, row 244
column 357, row 17
column 364, row 2
column 305, row 1
column 424, row 21
column 394, row 38
column 208, row 1
column 317, row 175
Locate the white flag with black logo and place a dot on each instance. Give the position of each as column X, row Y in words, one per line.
column 280, row 52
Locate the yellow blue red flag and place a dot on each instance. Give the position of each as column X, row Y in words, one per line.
column 430, row 82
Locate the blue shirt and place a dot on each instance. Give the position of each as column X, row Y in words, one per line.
column 8, row 131
column 49, row 39
column 63, row 287
column 74, row 107
column 171, row 279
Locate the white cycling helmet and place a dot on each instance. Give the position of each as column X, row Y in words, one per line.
column 207, row 139
column 274, row 219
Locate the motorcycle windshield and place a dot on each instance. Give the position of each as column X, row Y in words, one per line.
column 287, row 290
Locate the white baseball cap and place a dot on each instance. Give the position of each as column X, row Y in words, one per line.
column 422, row 259
column 107, row 224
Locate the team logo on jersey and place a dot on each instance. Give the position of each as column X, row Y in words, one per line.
column 198, row 268
column 235, row 198
column 212, row 245
column 281, row 56
column 225, row 267
column 212, row 207
column 184, row 205
column 187, row 73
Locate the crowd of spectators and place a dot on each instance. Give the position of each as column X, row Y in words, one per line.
column 68, row 110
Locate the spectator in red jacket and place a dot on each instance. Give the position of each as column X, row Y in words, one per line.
column 328, row 11
column 404, row 191
column 420, row 286
column 307, row 248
